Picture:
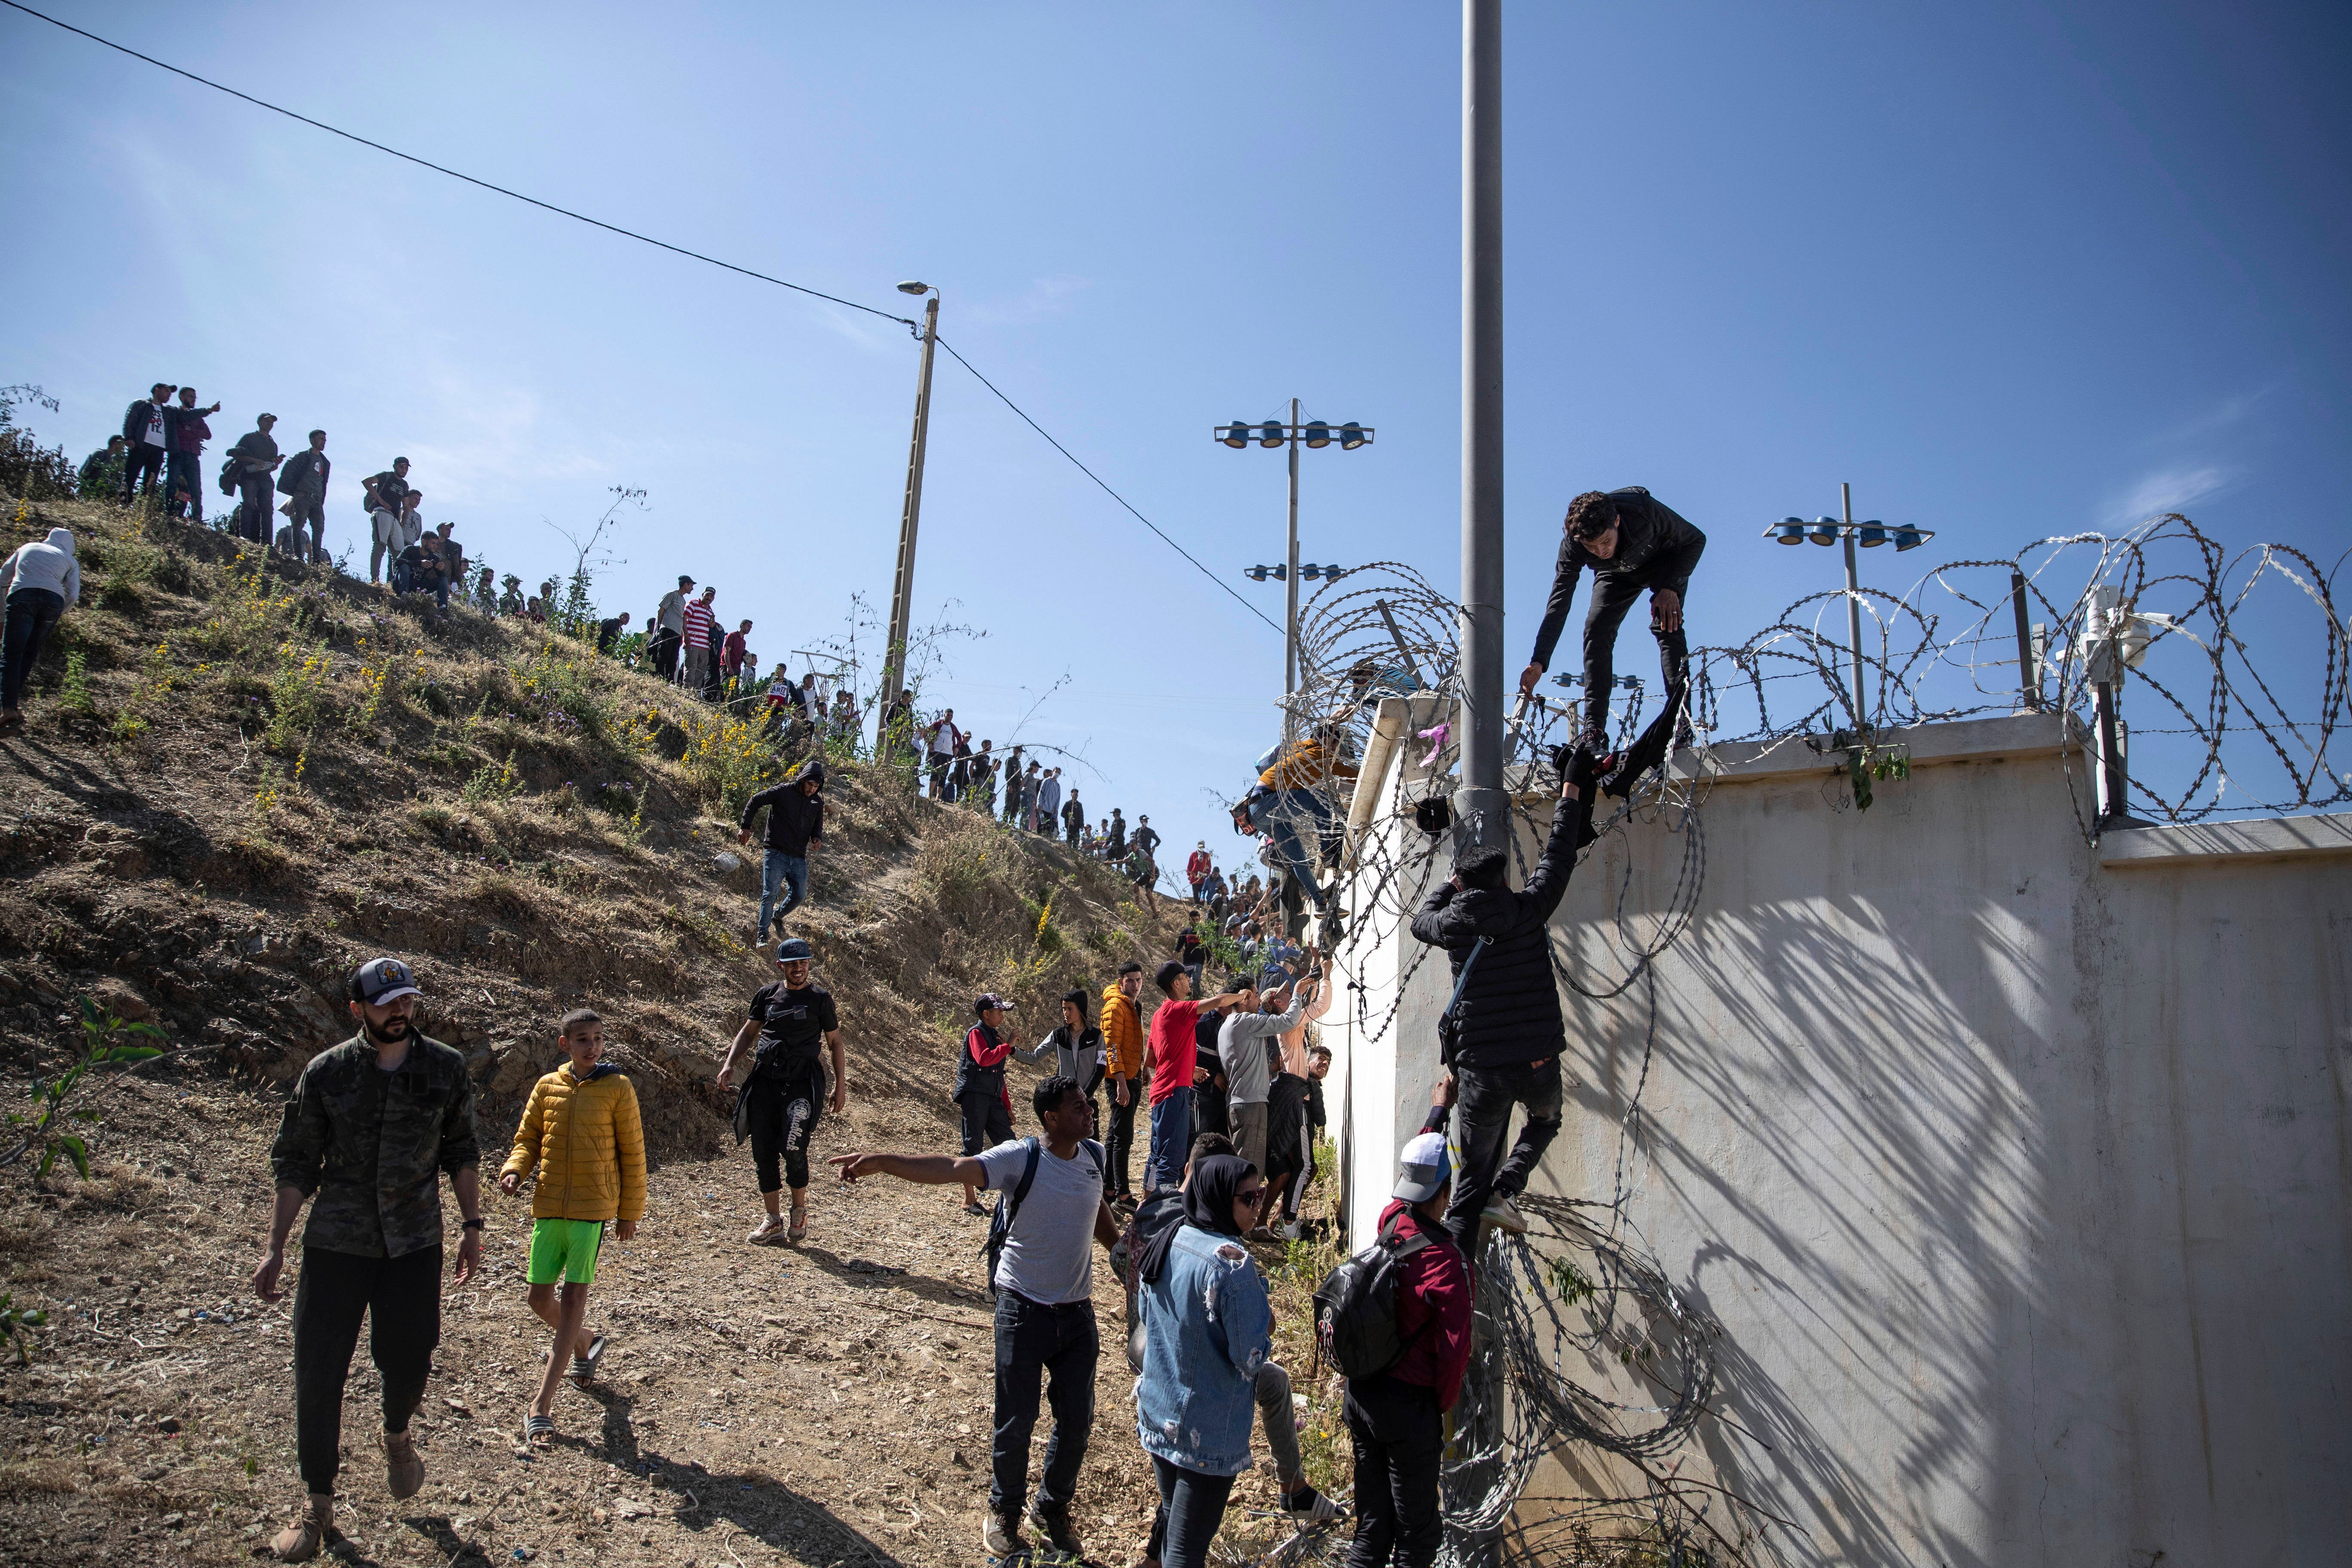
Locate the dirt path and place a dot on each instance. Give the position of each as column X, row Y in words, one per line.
column 823, row 1404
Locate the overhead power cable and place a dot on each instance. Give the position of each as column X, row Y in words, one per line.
column 1089, row 473
column 908, row 322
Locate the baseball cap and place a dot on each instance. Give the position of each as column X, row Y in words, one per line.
column 794, row 950
column 1422, row 1168
column 381, row 980
column 988, row 999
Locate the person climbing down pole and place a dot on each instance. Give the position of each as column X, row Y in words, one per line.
column 1631, row 541
column 784, row 1090
column 1506, row 1033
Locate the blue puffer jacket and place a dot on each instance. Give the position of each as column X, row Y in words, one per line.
column 1208, row 1328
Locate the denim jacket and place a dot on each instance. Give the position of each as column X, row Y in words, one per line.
column 1208, row 1327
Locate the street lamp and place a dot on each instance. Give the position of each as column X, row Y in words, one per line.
column 1271, row 433
column 1828, row 531
column 902, row 581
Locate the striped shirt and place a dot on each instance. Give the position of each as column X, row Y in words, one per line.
column 698, row 624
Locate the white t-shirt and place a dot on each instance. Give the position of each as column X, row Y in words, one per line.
column 1050, row 1254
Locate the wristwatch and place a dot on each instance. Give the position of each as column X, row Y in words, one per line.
column 473, row 1225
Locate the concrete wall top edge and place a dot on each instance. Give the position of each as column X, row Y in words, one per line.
column 1959, row 740
column 2256, row 838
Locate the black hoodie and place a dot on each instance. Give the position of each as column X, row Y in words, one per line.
column 1510, row 1009
column 794, row 820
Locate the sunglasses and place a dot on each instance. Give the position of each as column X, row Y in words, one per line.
column 1254, row 1196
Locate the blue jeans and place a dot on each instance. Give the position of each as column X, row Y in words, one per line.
column 1192, row 1507
column 1286, row 815
column 1059, row 1344
column 32, row 614
column 1171, row 1140
column 185, row 476
column 791, row 871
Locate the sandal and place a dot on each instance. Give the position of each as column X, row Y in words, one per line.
column 539, row 1431
column 583, row 1367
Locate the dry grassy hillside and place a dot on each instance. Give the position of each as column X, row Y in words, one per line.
column 242, row 776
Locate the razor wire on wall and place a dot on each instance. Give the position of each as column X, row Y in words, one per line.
column 2230, row 670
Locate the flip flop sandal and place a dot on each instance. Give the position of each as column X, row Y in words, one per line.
column 583, row 1367
column 539, row 1431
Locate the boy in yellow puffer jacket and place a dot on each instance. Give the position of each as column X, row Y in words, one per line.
column 582, row 1132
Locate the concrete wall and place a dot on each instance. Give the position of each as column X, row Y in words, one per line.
column 2016, row 1169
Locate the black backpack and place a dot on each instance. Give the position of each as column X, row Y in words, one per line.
column 1008, row 1206
column 1355, row 1307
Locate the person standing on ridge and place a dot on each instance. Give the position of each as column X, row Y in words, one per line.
column 372, row 1125
column 784, row 1090
column 1122, row 1032
column 669, row 629
column 185, row 484
column 1074, row 818
column 147, row 437
column 303, row 482
column 254, row 460
column 1043, row 1280
column 101, row 471
column 795, row 825
column 1048, row 812
column 698, row 620
column 1632, row 541
column 581, row 1131
column 1197, row 867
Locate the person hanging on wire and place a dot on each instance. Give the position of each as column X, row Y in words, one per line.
column 1631, row 541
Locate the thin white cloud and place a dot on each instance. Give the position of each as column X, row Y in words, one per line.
column 2168, row 490
column 2222, row 415
column 1046, row 296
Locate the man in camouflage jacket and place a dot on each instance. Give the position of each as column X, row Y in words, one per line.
column 373, row 1124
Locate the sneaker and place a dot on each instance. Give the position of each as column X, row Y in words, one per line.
column 1307, row 1506
column 1055, row 1526
column 404, row 1472
column 771, row 1230
column 1504, row 1215
column 1000, row 1534
column 976, row 1208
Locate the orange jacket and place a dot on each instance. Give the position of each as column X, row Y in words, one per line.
column 1122, row 1031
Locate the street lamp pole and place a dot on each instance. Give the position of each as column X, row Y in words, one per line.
column 1481, row 809
column 902, row 582
column 1290, row 618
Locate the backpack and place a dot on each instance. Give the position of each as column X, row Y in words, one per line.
column 229, row 476
column 1355, row 1307
column 1008, row 1205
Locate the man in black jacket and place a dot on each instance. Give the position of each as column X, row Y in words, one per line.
column 1632, row 541
column 1508, row 1035
column 795, row 825
column 146, row 428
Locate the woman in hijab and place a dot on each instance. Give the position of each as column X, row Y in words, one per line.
column 1208, row 1328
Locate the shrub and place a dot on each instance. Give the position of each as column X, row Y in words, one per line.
column 492, row 781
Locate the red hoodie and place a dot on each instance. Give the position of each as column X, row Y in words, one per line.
column 1432, row 1281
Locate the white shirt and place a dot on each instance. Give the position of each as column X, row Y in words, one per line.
column 1050, row 1254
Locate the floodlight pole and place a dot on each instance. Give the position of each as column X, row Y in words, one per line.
column 902, row 582
column 1853, row 611
column 1481, row 809
column 1290, row 619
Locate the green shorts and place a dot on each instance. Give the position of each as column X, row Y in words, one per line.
column 564, row 1249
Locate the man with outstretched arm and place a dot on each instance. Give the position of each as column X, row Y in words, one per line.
column 1508, row 1035
column 783, row 1088
column 1170, row 1052
column 1632, row 541
column 373, row 1124
column 1043, row 1278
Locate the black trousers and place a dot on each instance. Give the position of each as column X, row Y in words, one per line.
column 986, row 1121
column 1398, row 1436
column 1192, row 1507
column 1121, row 1147
column 784, row 1112
column 1056, row 1345
column 1484, row 1098
column 142, row 465
column 401, row 1300
column 664, row 649
column 254, row 506
column 1611, row 597
column 32, row 616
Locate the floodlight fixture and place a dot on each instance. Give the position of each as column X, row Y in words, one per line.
column 1790, row 530
column 1871, row 534
column 1911, row 538
column 911, row 287
column 1318, row 435
column 1236, row 435
column 1825, row 531
column 1352, row 436
column 1271, row 433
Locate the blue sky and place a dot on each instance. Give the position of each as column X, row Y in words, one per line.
column 2011, row 269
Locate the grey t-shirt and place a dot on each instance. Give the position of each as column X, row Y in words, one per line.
column 1241, row 1045
column 1050, row 1254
